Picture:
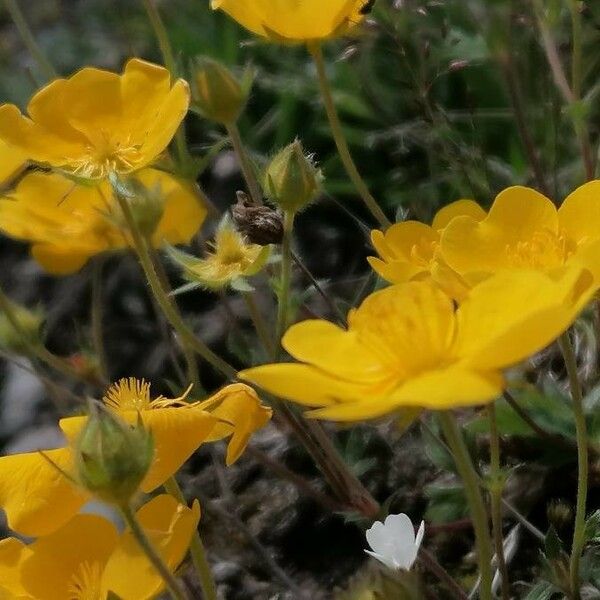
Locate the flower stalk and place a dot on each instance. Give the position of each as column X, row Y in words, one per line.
column 496, row 488
column 286, row 276
column 197, row 550
column 165, row 302
column 479, row 514
column 28, row 38
column 233, row 132
column 175, row 590
column 340, row 140
column 582, row 460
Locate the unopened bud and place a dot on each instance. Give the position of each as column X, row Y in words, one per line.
column 147, row 205
column 560, row 514
column 261, row 225
column 22, row 329
column 217, row 93
column 113, row 457
column 292, row 179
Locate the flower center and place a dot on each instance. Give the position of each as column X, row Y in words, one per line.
column 544, row 250
column 105, row 155
column 128, row 394
column 86, row 583
column 422, row 253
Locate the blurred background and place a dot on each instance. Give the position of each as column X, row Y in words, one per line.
column 440, row 100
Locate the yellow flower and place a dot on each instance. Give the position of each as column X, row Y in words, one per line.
column 12, row 162
column 38, row 498
column 86, row 558
column 293, row 21
column 67, row 223
column 408, row 346
column 232, row 258
column 409, row 250
column 97, row 122
column 524, row 230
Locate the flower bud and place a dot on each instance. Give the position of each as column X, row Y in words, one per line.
column 292, row 180
column 217, row 93
column 112, row 457
column 147, row 205
column 18, row 337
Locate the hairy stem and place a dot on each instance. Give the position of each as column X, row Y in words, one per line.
column 245, row 164
column 582, row 459
column 479, row 514
column 340, row 140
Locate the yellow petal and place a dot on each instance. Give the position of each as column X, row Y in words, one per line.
column 13, row 553
column 406, row 237
column 36, row 497
column 286, row 20
column 460, row 208
column 183, row 213
column 302, row 383
column 579, row 214
column 333, row 350
column 516, row 217
column 396, row 271
column 170, row 527
column 240, row 412
column 160, row 129
column 59, row 260
column 39, row 145
column 442, row 389
column 61, row 560
column 515, row 314
column 12, row 162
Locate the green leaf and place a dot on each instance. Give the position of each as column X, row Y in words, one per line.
column 552, row 545
column 542, row 591
column 447, row 502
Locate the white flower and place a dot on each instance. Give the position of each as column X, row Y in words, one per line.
column 393, row 542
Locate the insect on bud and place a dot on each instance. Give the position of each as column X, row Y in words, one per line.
column 217, row 93
column 292, row 179
column 112, row 457
column 261, row 225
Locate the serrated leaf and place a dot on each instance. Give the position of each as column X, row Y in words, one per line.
column 447, row 502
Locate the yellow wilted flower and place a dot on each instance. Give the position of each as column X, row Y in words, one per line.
column 231, row 258
column 410, row 250
column 38, row 498
column 293, row 21
column 523, row 229
column 408, row 346
column 86, row 558
column 97, row 122
column 68, row 223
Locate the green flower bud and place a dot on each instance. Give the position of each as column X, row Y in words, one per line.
column 112, row 457
column 217, row 93
column 147, row 205
column 292, row 179
column 17, row 338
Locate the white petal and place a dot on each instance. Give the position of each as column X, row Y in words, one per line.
column 420, row 535
column 400, row 529
column 377, row 537
column 388, row 562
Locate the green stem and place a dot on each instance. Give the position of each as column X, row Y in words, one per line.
column 577, row 56
column 286, row 276
column 197, row 551
column 259, row 324
column 162, row 37
column 479, row 514
column 245, row 164
column 163, row 299
column 192, row 374
column 152, row 554
column 582, row 459
column 340, row 140
column 28, row 39
column 496, row 489
column 96, row 318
